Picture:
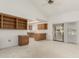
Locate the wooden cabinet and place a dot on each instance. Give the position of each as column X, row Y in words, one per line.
column 21, row 24
column 42, row 26
column 8, row 22
column 40, row 36
column 23, row 40
column 30, row 34
column 12, row 22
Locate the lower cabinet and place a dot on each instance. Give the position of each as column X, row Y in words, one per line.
column 30, row 34
column 23, row 40
column 40, row 36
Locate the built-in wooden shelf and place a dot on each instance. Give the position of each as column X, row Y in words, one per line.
column 12, row 22
column 43, row 26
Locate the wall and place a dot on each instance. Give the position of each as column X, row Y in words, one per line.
column 22, row 8
column 65, row 17
column 9, row 38
column 64, row 11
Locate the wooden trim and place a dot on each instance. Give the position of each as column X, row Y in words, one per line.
column 1, row 20
column 16, row 23
column 12, row 16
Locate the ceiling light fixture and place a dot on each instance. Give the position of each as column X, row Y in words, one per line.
column 50, row 1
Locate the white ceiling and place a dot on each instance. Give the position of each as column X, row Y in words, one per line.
column 58, row 7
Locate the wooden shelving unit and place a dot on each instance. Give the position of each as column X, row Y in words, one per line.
column 12, row 22
column 9, row 23
column 43, row 26
column 21, row 24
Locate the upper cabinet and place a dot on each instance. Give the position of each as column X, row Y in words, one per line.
column 21, row 24
column 12, row 22
column 43, row 26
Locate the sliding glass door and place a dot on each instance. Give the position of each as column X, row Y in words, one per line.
column 65, row 32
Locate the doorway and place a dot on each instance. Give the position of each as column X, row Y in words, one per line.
column 58, row 32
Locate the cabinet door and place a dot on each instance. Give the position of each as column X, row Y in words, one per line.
column 45, row 26
column 40, row 36
column 42, row 26
column 23, row 40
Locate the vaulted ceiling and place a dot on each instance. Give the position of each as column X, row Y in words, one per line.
column 38, row 9
column 58, row 7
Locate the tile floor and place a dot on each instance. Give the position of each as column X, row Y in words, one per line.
column 42, row 49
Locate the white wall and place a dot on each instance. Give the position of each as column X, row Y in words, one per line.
column 64, row 11
column 21, row 8
column 72, row 16
column 12, row 35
